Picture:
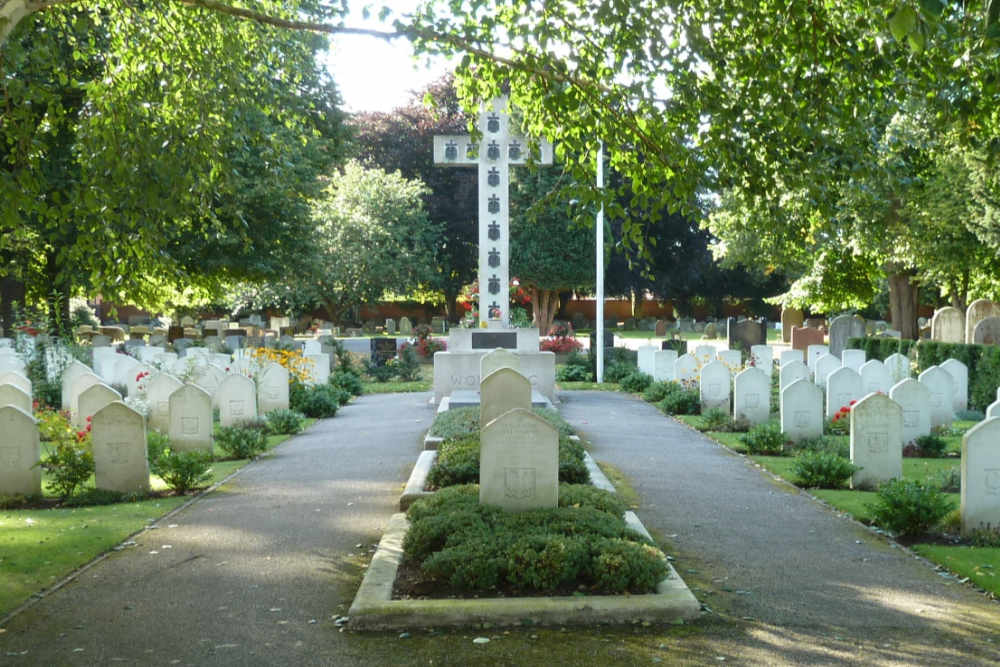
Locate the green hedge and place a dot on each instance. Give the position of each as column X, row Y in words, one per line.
column 983, row 362
column 881, row 348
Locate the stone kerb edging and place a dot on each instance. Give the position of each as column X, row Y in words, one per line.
column 374, row 609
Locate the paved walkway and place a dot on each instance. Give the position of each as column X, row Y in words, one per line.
column 255, row 573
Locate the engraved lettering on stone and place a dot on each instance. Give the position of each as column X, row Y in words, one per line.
column 752, row 400
column 493, row 151
column 451, row 151
column 494, row 285
column 236, row 408
column 911, row 418
column 189, row 425
column 714, row 389
column 992, row 481
column 514, row 150
column 877, row 443
column 801, row 418
column 493, row 177
column 493, row 123
column 10, row 457
column 519, row 483
column 162, row 407
column 119, row 452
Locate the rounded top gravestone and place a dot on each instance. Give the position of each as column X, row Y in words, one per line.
column 948, row 325
column 978, row 310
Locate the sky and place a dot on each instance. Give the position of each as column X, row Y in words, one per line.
column 375, row 75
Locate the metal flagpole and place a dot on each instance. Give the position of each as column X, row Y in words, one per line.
column 599, row 341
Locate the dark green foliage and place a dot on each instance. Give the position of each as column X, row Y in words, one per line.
column 157, row 445
column 574, row 373
column 572, row 469
column 930, row 446
column 620, row 355
column 838, row 424
column 907, row 507
column 285, row 422
column 635, row 382
column 627, row 566
column 406, row 365
column 69, row 465
column 822, row 469
column 764, row 439
column 458, row 462
column 949, row 481
column 319, row 401
column 240, row 442
column 347, row 380
column 678, row 344
column 585, row 495
column 618, row 371
column 881, row 348
column 823, row 443
column 89, row 497
column 456, row 423
column 716, row 420
column 983, row 362
column 185, row 470
column 448, row 499
column 554, row 418
column 681, row 402
column 545, row 562
column 970, row 415
column 657, row 391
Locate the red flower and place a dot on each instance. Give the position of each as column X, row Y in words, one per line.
column 89, row 418
column 853, row 402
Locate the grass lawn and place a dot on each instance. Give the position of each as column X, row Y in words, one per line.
column 40, row 547
column 595, row 386
column 424, row 383
column 980, row 564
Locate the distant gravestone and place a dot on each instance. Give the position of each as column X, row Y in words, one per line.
column 941, row 387
column 519, row 462
column 237, row 398
column 824, row 366
column 752, row 396
column 663, row 365
column 497, row 359
column 714, row 387
column 981, row 477
column 272, row 388
column 190, row 419
column 790, row 318
column 183, row 346
column 72, row 370
column 948, row 325
column 686, row 371
column 92, row 400
column 733, row 359
column 790, row 355
column 646, row 359
column 915, row 401
column 711, row 331
column 843, row 385
column 684, row 324
column 661, row 328
column 630, row 324
column 843, row 328
column 319, row 367
column 762, row 357
column 312, row 347
column 20, row 451
column 502, row 390
column 705, row 353
column 382, row 350
column 803, row 337
column 209, row 378
column 813, row 353
column 16, row 379
column 875, row 378
column 898, row 366
column 987, row 331
column 746, row 334
column 158, row 390
column 876, row 441
column 853, row 359
column 438, row 325
column 978, row 310
column 959, row 373
column 390, row 326
column 405, row 326
column 11, row 394
column 801, row 406
column 119, row 443
column 790, row 372
column 104, row 359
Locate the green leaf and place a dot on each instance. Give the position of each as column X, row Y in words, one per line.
column 916, row 41
column 902, row 23
column 932, row 7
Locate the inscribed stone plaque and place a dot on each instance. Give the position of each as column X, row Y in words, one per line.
column 752, row 396
column 790, row 355
column 119, row 443
column 209, row 378
column 190, row 421
column 842, row 386
column 948, row 325
column 876, row 440
column 853, row 359
column 981, row 476
column 686, row 371
column 19, row 452
column 663, row 365
column 762, row 357
column 790, row 318
column 801, row 410
column 13, row 395
column 813, row 353
column 237, row 399
column 488, row 340
column 382, row 350
column 959, row 373
column 978, row 310
column 497, row 359
column 941, row 387
column 519, row 462
column 915, row 400
column 18, row 380
column 319, row 367
column 272, row 388
column 502, row 390
column 875, row 377
column 91, row 400
column 73, row 370
column 842, row 329
column 159, row 387
column 824, row 366
column 790, row 372
column 745, row 334
column 714, row 387
column 803, row 337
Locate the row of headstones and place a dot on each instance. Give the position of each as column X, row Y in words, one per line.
column 979, row 324
column 666, row 365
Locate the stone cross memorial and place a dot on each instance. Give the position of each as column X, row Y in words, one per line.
column 495, row 152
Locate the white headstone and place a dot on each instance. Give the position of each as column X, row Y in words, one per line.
column 237, row 397
column 978, row 310
column 824, row 366
column 813, row 353
column 497, row 359
column 272, row 388
column 941, row 387
column 842, row 386
column 981, row 476
column 19, row 453
column 948, row 325
column 842, row 329
column 875, row 378
column 119, row 443
column 158, row 390
column 11, row 394
column 898, row 366
column 752, row 396
column 853, row 359
column 786, row 356
column 11, row 362
column 663, row 365
column 801, row 410
column 714, row 387
column 137, row 379
column 733, row 359
column 77, row 386
column 762, row 357
column 319, row 367
column 915, row 400
column 704, row 354
column 502, row 390
column 405, row 326
column 72, row 370
column 312, row 347
column 104, row 362
column 993, row 410
column 790, row 372
column 876, row 440
column 519, row 462
column 686, row 371
column 647, row 359
column 92, row 400
column 959, row 373
column 190, row 422
column 209, row 378
column 18, row 380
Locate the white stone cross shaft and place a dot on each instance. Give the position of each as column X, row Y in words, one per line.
column 496, row 151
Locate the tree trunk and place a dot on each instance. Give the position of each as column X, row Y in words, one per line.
column 903, row 299
column 451, row 304
column 544, row 302
column 12, row 291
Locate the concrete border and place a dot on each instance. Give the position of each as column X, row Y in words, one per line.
column 414, row 489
